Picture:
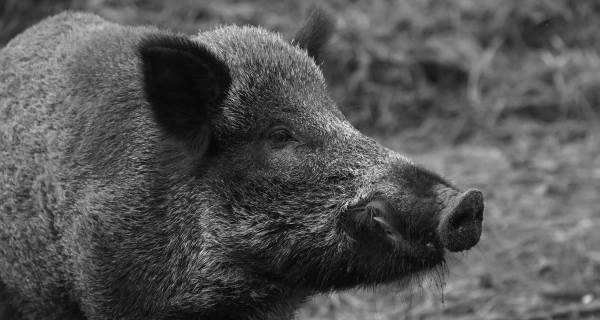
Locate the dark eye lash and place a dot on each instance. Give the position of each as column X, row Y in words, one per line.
column 281, row 134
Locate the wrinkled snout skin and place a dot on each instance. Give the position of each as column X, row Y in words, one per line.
column 151, row 175
column 418, row 212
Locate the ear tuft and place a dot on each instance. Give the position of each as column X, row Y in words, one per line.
column 185, row 84
column 315, row 32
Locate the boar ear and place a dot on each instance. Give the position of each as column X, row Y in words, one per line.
column 315, row 32
column 185, row 84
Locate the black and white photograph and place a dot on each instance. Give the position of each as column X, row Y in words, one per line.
column 299, row 160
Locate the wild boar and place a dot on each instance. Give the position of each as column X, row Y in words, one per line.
column 146, row 174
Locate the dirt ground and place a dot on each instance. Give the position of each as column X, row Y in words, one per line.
column 500, row 96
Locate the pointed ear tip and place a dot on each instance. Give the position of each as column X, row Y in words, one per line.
column 322, row 14
column 316, row 30
column 320, row 19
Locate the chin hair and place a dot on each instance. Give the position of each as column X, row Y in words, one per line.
column 433, row 278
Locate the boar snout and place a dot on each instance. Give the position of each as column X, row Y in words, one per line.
column 452, row 221
column 460, row 224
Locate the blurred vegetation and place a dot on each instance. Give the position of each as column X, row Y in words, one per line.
column 499, row 95
column 15, row 15
column 394, row 65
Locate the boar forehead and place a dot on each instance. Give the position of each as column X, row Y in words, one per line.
column 272, row 81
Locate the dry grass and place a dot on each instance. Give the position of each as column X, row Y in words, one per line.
column 511, row 88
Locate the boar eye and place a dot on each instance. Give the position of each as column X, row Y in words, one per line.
column 281, row 135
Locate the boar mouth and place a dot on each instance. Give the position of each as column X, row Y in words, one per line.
column 375, row 224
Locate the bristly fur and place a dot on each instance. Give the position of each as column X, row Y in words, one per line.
column 110, row 208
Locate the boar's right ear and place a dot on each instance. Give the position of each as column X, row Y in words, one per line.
column 185, row 84
column 315, row 32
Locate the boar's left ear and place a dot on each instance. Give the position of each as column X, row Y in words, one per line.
column 315, row 32
column 185, row 84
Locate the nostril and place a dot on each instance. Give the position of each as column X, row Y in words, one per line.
column 461, row 217
column 469, row 210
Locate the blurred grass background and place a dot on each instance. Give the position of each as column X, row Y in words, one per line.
column 499, row 95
